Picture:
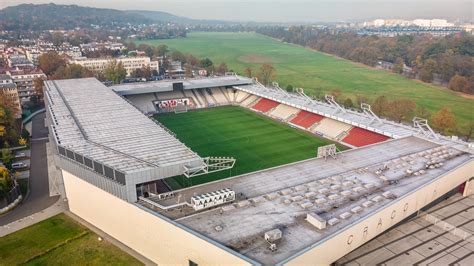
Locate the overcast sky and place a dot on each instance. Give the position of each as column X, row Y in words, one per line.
column 287, row 10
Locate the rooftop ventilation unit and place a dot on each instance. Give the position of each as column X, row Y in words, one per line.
column 211, row 199
column 316, row 220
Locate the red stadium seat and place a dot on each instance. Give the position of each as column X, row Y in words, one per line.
column 359, row 137
column 306, row 119
column 264, row 105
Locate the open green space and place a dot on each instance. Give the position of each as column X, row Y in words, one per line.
column 315, row 71
column 60, row 241
column 257, row 142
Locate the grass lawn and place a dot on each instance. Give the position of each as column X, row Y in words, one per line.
column 255, row 141
column 316, row 71
column 60, row 241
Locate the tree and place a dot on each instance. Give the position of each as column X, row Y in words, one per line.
column 289, row 88
column 178, row 56
column 72, row 71
column 380, row 105
column 266, row 74
column 161, row 50
column 115, row 72
column 57, row 39
column 38, row 84
column 6, row 153
column 470, row 130
column 248, row 72
column 222, row 68
column 348, row 103
column 458, row 83
column 398, row 66
column 192, row 60
column 427, row 72
column 443, row 120
column 50, row 62
column 188, row 72
column 6, row 182
column 422, row 112
column 401, row 109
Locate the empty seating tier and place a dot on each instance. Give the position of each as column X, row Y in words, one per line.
column 331, row 128
column 306, row 119
column 360, row 137
column 284, row 111
column 265, row 105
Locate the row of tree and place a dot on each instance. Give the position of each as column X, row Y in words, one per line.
column 448, row 60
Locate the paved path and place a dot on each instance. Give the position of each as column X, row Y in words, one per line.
column 39, row 198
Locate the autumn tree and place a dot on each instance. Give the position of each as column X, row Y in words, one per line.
column 401, row 109
column 161, row 50
column 348, row 103
column 72, row 71
column 427, row 71
column 115, row 72
column 222, row 68
column 266, row 74
column 50, row 62
column 443, row 120
column 398, row 66
column 248, row 72
column 143, row 72
column 380, row 105
column 470, row 130
column 458, row 83
column 192, row 60
column 188, row 72
column 178, row 56
column 6, row 182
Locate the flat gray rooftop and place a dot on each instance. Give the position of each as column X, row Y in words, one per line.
column 281, row 197
column 424, row 241
column 188, row 84
column 91, row 120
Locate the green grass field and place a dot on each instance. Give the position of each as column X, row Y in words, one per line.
column 315, row 71
column 254, row 140
column 60, row 241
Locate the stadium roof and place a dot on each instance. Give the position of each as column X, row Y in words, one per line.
column 188, row 84
column 262, row 196
column 91, row 120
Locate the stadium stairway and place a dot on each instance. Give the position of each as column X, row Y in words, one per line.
column 264, row 105
column 359, row 137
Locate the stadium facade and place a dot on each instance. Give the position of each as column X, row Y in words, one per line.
column 111, row 155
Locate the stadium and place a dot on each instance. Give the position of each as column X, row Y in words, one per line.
column 225, row 170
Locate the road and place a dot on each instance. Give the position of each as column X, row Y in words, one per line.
column 38, row 198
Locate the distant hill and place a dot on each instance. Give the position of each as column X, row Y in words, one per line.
column 52, row 16
column 160, row 16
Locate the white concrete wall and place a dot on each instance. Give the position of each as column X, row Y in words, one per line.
column 152, row 236
column 330, row 250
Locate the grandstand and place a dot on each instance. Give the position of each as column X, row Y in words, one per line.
column 111, row 157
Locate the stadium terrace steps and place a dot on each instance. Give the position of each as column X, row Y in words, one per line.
column 359, row 137
column 168, row 95
column 331, row 128
column 225, row 92
column 264, row 105
column 284, row 112
column 204, row 96
column 306, row 119
column 241, row 96
column 219, row 97
column 189, row 94
column 231, row 94
column 197, row 95
column 250, row 100
column 144, row 102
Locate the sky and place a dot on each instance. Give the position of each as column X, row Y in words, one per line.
column 287, row 10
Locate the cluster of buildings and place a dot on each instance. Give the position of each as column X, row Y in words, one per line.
column 19, row 65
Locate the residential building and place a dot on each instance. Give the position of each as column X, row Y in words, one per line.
column 24, row 80
column 129, row 63
column 9, row 91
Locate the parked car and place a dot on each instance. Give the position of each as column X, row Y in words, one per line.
column 20, row 155
column 19, row 165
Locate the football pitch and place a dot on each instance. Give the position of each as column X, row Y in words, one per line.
column 257, row 142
